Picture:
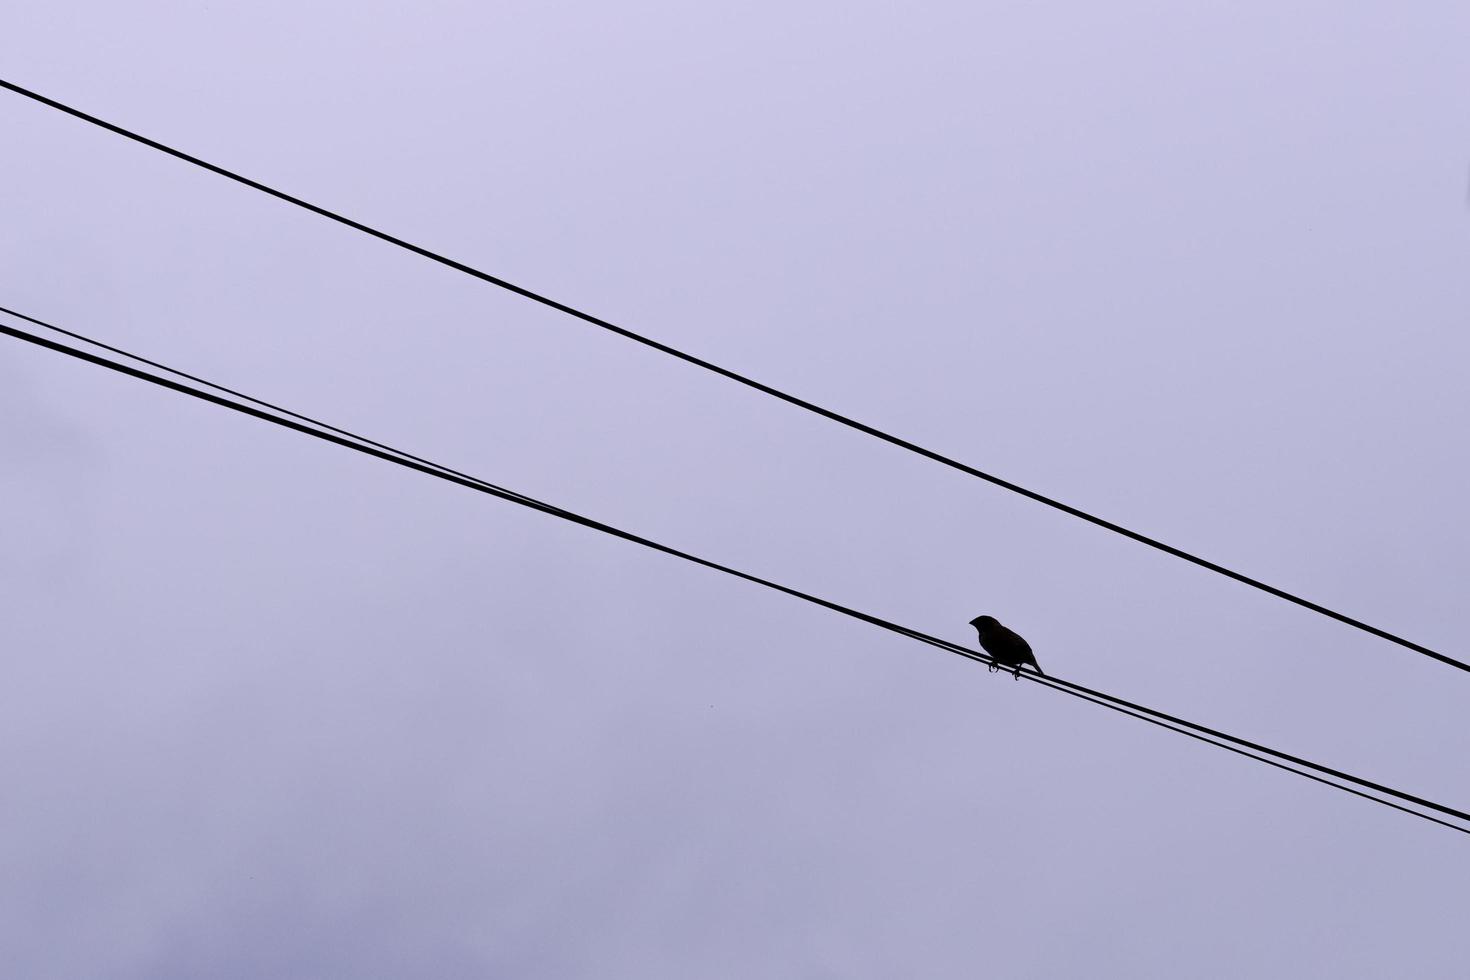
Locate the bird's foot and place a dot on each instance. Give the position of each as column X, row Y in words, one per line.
column 1017, row 674
column 992, row 668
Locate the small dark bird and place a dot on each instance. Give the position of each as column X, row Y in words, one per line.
column 1007, row 647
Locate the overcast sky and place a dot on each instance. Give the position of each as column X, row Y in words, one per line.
column 273, row 709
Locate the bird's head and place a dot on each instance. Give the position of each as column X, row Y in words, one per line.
column 983, row 623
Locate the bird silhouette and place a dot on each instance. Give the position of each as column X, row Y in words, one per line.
column 1006, row 646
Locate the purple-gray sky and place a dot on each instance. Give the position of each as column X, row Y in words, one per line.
column 270, row 709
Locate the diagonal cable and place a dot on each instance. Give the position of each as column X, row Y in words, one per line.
column 1242, row 746
column 742, row 379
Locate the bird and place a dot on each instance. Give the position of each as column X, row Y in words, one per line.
column 1006, row 646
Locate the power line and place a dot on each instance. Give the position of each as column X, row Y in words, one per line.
column 742, row 379
column 240, row 394
column 347, row 440
column 1270, row 762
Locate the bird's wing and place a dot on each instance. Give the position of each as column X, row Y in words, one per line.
column 1023, row 649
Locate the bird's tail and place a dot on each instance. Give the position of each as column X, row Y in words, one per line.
column 1038, row 668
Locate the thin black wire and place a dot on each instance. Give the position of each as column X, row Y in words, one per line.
column 1056, row 683
column 240, row 394
column 1269, row 762
column 742, row 379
